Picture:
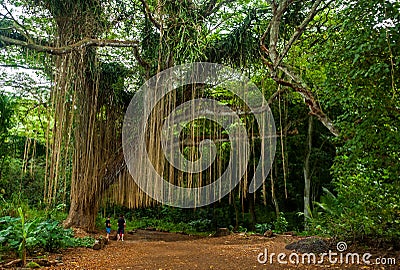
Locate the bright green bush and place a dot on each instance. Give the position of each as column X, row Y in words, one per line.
column 46, row 235
column 366, row 206
column 263, row 227
column 201, row 225
column 280, row 224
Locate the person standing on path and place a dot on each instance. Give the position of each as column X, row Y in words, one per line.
column 121, row 228
column 108, row 228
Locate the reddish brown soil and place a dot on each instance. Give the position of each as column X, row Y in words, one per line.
column 158, row 250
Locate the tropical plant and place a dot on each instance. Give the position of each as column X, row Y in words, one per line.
column 27, row 236
column 280, row 224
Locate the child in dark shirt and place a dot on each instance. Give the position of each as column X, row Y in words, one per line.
column 108, row 228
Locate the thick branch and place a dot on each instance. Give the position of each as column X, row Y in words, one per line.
column 212, row 7
column 87, row 42
column 19, row 66
column 290, row 74
column 277, row 13
column 299, row 30
column 313, row 105
column 276, row 58
column 140, row 59
column 150, row 14
column 309, row 99
column 273, row 35
column 16, row 25
column 264, row 36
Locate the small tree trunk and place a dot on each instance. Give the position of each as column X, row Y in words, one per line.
column 307, row 176
column 252, row 211
column 236, row 212
column 23, row 255
column 274, row 199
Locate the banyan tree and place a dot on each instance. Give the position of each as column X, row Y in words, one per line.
column 95, row 75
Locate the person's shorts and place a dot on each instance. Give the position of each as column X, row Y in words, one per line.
column 108, row 230
column 120, row 231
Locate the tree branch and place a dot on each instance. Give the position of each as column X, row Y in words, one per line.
column 276, row 58
column 276, row 94
column 277, row 13
column 19, row 66
column 140, row 59
column 312, row 103
column 150, row 15
column 262, row 40
column 87, row 42
column 16, row 25
column 273, row 34
column 212, row 7
column 290, row 74
column 299, row 30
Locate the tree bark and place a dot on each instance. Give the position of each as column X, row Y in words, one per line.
column 274, row 199
column 78, row 46
column 78, row 74
column 307, row 174
column 82, row 215
column 273, row 58
column 252, row 211
column 236, row 227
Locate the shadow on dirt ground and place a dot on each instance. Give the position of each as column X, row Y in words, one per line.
column 161, row 250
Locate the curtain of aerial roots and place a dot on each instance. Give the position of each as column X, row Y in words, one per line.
column 125, row 191
column 59, row 132
column 79, row 133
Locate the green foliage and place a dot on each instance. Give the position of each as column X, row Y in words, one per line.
column 52, row 237
column 359, row 60
column 328, row 203
column 161, row 225
column 32, row 265
column 281, row 224
column 25, row 233
column 201, row 225
column 323, row 216
column 367, row 206
column 86, row 241
column 263, row 227
column 242, row 229
column 18, row 234
column 10, row 207
column 22, row 168
column 7, row 107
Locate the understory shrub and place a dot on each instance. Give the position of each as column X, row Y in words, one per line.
column 47, row 235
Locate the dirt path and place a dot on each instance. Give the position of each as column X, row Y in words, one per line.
column 157, row 250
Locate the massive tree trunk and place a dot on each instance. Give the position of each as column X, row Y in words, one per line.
column 86, row 186
column 77, row 79
column 86, row 114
